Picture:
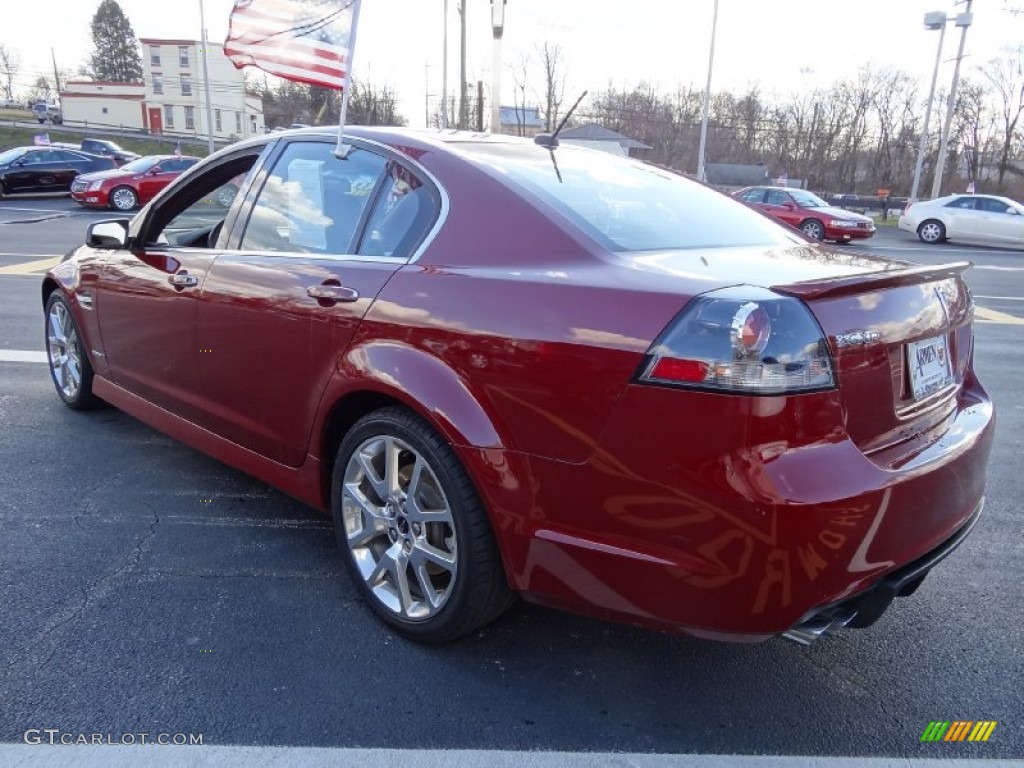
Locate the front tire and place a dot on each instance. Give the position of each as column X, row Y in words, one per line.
column 931, row 232
column 413, row 529
column 814, row 229
column 123, row 199
column 69, row 365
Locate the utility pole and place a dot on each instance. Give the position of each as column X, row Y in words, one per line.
column 444, row 71
column 56, row 76
column 963, row 21
column 206, row 83
column 932, row 20
column 426, row 95
column 707, row 100
column 480, row 106
column 463, row 85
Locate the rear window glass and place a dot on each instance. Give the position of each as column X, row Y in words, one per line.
column 626, row 205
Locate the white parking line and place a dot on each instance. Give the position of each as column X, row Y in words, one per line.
column 34, row 210
column 22, row 356
column 118, row 756
column 1001, row 298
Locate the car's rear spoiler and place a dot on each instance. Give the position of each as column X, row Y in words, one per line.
column 831, row 287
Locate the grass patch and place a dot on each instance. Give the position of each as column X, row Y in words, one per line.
column 892, row 221
column 21, row 137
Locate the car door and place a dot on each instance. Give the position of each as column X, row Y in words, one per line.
column 282, row 302
column 960, row 218
column 781, row 206
column 147, row 295
column 66, row 165
column 31, row 172
column 998, row 222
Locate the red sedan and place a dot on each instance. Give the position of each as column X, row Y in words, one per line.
column 561, row 374
column 131, row 185
column 809, row 213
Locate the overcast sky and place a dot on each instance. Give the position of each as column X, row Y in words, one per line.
column 780, row 46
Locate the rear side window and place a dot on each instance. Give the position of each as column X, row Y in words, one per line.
column 627, row 206
column 966, row 203
column 312, row 202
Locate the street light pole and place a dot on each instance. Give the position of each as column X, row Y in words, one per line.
column 933, row 20
column 498, row 26
column 963, row 21
column 707, row 100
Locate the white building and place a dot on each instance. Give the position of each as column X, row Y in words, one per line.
column 175, row 95
column 105, row 105
column 172, row 99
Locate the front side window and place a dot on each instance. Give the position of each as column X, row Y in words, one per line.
column 312, row 202
column 989, row 205
column 625, row 205
column 168, row 116
column 775, row 197
column 186, row 86
column 190, row 118
column 753, row 195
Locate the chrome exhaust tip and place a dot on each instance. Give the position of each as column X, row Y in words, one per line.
column 818, row 626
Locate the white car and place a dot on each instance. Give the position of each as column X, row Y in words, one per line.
column 985, row 219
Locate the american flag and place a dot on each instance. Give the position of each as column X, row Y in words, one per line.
column 307, row 41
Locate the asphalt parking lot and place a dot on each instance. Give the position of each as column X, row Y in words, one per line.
column 148, row 588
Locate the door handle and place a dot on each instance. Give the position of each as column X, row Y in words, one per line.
column 183, row 280
column 329, row 293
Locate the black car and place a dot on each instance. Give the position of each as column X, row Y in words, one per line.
column 109, row 149
column 46, row 169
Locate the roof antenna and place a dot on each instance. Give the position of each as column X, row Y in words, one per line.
column 550, row 140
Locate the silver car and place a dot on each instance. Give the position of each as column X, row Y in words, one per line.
column 985, row 219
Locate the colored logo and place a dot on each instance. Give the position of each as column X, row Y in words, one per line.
column 959, row 730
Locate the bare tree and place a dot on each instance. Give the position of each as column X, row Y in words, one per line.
column 10, row 65
column 1006, row 76
column 553, row 67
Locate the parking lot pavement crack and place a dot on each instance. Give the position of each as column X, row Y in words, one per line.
column 35, row 220
column 42, row 647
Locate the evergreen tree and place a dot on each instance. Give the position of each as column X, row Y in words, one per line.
column 116, row 57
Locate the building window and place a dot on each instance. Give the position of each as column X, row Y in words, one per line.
column 168, row 116
column 238, row 122
column 216, row 120
column 154, row 55
column 186, row 86
column 158, row 84
column 182, row 56
column 190, row 119
column 252, row 119
column 104, row 110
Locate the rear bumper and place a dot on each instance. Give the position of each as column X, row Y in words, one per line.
column 672, row 526
column 866, row 608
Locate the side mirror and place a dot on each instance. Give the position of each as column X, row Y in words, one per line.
column 788, row 206
column 1013, row 211
column 112, row 233
column 155, row 170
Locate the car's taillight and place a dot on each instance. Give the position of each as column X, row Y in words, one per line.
column 743, row 340
column 906, row 210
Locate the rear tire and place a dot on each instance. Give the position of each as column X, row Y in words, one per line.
column 931, row 232
column 414, row 531
column 70, row 369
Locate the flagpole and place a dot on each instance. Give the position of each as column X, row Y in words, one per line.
column 341, row 150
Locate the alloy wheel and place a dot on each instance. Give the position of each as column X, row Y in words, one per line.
column 931, row 232
column 123, row 199
column 813, row 229
column 399, row 528
column 63, row 351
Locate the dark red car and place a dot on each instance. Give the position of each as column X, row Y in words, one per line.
column 560, row 374
column 131, row 185
column 809, row 213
